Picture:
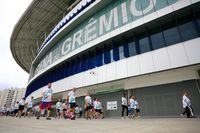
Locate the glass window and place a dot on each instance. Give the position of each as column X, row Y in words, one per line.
column 144, row 43
column 67, row 69
column 157, row 39
column 53, row 75
column 108, row 54
column 170, row 33
column 187, row 28
column 99, row 57
column 121, row 52
column 85, row 62
column 58, row 72
column 197, row 16
column 116, row 51
column 111, row 55
column 78, row 64
column 62, row 71
column 132, row 48
column 198, row 21
column 91, row 59
column 72, row 67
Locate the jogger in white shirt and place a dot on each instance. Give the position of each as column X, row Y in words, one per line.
column 124, row 106
column 88, row 106
column 30, row 107
column 131, row 102
column 187, row 106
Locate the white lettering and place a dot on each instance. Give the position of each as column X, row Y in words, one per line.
column 124, row 13
column 115, row 17
column 77, row 39
column 66, row 46
column 89, row 31
column 107, row 24
column 48, row 59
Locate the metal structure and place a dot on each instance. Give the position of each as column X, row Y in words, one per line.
column 34, row 25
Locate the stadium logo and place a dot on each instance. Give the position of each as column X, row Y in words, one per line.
column 100, row 24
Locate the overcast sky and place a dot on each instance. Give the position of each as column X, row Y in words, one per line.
column 11, row 75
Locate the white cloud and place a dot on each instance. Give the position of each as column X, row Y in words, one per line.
column 11, row 75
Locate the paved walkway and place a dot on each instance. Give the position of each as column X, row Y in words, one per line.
column 154, row 125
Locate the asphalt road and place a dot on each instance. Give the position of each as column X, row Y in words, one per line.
column 150, row 125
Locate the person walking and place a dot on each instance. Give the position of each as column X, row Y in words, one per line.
column 16, row 109
column 30, row 107
column 59, row 109
column 88, row 106
column 136, row 107
column 46, row 101
column 64, row 106
column 132, row 104
column 21, row 107
column 124, row 106
column 71, row 101
column 80, row 112
column 188, row 110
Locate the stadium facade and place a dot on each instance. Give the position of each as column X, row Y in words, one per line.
column 146, row 48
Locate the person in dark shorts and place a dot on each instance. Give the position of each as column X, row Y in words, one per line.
column 59, row 109
column 21, row 107
column 88, row 106
column 71, row 101
column 16, row 109
column 136, row 107
column 98, row 108
column 30, row 107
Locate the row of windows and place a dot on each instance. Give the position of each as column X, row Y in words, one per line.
column 161, row 35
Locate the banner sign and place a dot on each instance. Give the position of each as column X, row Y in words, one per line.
column 111, row 17
column 112, row 105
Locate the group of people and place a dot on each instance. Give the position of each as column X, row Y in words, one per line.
column 131, row 107
column 20, row 108
column 93, row 108
column 63, row 110
column 69, row 109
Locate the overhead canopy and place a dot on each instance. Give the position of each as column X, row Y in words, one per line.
column 35, row 24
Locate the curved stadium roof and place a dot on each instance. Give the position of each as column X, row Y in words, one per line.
column 33, row 27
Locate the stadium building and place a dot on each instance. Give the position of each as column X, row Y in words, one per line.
column 146, row 48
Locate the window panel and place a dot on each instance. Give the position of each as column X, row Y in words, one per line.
column 132, row 48
column 99, row 57
column 115, row 51
column 67, row 69
column 72, row 67
column 170, row 33
column 144, row 43
column 85, row 62
column 157, row 39
column 121, row 52
column 91, row 59
column 78, row 64
column 126, row 52
column 108, row 54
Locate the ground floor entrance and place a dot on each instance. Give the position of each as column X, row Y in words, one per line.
column 160, row 100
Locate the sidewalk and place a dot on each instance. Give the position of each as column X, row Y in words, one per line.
column 154, row 125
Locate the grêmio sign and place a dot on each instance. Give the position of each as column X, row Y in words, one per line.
column 111, row 17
